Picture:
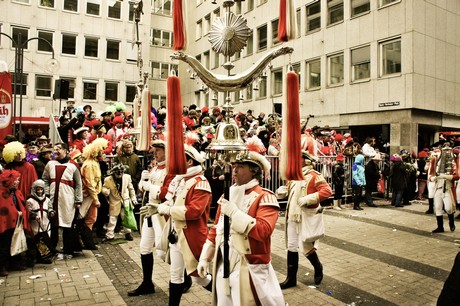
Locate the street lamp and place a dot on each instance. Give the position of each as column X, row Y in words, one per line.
column 51, row 66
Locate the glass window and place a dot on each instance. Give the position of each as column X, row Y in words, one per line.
column 71, row 5
column 131, row 52
column 89, row 90
column 275, row 40
column 155, row 72
column 249, row 93
column 24, row 33
column 207, row 24
column 277, row 81
column 17, row 86
column 250, row 5
column 114, row 10
column 360, row 7
column 262, row 37
column 216, row 60
column 335, row 65
column 93, row 7
column 155, row 37
column 132, row 9
column 131, row 91
column 162, row 7
column 296, row 68
column 298, row 29
column 47, row 3
column 314, row 74
column 113, row 49
column 206, row 59
column 43, row 46
column 158, row 100
column 386, row 2
column 91, row 46
column 164, row 71
column 69, row 44
column 167, row 39
column 250, row 44
column 390, row 54
column 313, row 16
column 43, row 86
column 334, row 11
column 199, row 29
column 360, row 63
column 262, row 88
column 111, row 91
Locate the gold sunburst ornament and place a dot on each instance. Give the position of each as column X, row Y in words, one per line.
column 229, row 33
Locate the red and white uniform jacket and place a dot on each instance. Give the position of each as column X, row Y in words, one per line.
column 158, row 177
column 190, row 214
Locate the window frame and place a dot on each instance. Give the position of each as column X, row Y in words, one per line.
column 46, row 91
column 69, row 3
column 113, row 9
column 89, row 40
column 336, row 6
column 355, row 65
column 42, row 44
column 91, row 5
column 110, row 42
column 330, row 69
column 85, row 90
column 66, row 45
column 15, row 31
column 42, row 5
column 382, row 69
column 274, row 25
column 381, row 3
column 366, row 3
column 277, row 81
column 25, row 77
column 114, row 90
column 312, row 17
column 160, row 9
column 128, row 93
column 259, row 42
column 310, row 84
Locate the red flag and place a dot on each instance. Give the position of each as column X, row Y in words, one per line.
column 179, row 36
column 6, row 103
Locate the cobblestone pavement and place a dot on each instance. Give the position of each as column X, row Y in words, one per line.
column 378, row 256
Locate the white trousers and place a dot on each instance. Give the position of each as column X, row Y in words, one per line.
column 110, row 227
column 177, row 267
column 234, row 281
column 294, row 242
column 443, row 200
column 150, row 236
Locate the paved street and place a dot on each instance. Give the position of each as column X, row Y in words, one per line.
column 378, row 256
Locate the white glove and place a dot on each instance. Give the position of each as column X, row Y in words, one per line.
column 145, row 176
column 281, row 192
column 148, row 210
column 202, row 268
column 155, row 191
column 228, row 208
column 207, row 253
column 309, row 199
column 446, row 176
column 163, row 209
column 241, row 222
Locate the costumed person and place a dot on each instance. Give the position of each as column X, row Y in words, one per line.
column 92, row 185
column 430, row 185
column 80, row 136
column 101, row 132
column 154, row 184
column 43, row 158
column 64, row 187
column 338, row 179
column 119, row 191
column 39, row 208
column 12, row 206
column 130, row 159
column 307, row 140
column 398, row 177
column 443, row 171
column 14, row 155
column 358, row 181
column 253, row 212
column 189, row 201
column 303, row 208
column 372, row 174
column 32, row 152
column 117, row 130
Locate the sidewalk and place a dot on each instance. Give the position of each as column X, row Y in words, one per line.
column 378, row 256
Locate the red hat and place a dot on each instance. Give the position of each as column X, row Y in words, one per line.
column 118, row 119
column 422, row 154
column 8, row 177
column 205, row 109
column 340, row 157
column 326, row 150
column 210, row 136
column 338, row 137
column 75, row 154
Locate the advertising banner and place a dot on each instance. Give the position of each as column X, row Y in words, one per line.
column 6, row 103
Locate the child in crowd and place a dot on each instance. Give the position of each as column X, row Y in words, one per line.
column 38, row 204
column 119, row 190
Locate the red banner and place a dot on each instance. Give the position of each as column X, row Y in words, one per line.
column 6, row 103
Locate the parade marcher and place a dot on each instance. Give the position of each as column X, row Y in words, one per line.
column 253, row 212
column 38, row 204
column 372, row 174
column 64, row 187
column 188, row 209
column 154, row 184
column 92, row 185
column 12, row 205
column 443, row 170
column 338, row 179
column 358, row 181
column 304, row 199
column 14, row 155
column 119, row 190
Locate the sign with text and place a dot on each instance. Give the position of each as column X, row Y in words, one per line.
column 5, row 104
column 386, row 104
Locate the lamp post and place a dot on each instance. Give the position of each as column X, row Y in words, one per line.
column 51, row 66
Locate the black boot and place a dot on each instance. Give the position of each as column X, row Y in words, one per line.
column 451, row 222
column 440, row 228
column 313, row 258
column 175, row 293
column 147, row 286
column 430, row 206
column 187, row 281
column 292, row 267
column 357, row 207
column 209, row 286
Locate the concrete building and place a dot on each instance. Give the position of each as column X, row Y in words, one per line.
column 383, row 68
column 92, row 41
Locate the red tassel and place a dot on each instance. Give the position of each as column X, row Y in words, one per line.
column 178, row 26
column 175, row 154
column 282, row 27
column 291, row 155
